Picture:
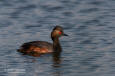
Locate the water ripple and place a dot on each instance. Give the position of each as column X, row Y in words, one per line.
column 87, row 51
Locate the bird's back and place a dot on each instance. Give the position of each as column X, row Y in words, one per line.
column 36, row 47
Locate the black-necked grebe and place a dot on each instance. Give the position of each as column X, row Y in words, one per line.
column 36, row 48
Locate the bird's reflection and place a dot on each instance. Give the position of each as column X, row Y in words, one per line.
column 56, row 59
column 56, row 63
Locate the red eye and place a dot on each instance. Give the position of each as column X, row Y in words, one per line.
column 60, row 33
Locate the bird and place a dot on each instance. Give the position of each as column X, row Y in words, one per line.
column 36, row 48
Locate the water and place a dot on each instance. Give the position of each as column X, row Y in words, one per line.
column 88, row 51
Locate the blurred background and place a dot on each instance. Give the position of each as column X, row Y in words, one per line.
column 88, row 51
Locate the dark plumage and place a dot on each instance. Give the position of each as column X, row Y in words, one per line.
column 35, row 48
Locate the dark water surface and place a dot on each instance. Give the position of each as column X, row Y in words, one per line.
column 88, row 51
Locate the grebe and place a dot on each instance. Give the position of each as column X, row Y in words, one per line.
column 36, row 48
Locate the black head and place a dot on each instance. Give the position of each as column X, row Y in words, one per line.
column 58, row 32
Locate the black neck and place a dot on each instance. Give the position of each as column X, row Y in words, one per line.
column 56, row 45
column 56, row 50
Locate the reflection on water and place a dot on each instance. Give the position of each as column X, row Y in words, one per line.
column 57, row 64
column 88, row 51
